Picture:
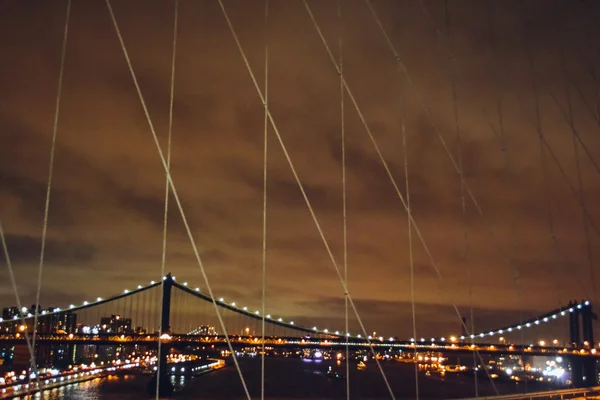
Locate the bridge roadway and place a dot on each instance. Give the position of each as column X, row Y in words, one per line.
column 295, row 342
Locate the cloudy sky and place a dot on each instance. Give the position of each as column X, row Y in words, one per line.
column 107, row 200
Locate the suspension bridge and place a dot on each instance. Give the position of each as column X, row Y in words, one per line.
column 434, row 104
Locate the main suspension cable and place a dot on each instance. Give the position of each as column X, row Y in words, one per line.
column 177, row 199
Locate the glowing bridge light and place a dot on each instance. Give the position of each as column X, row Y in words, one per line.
column 139, row 286
column 462, row 338
column 519, row 327
column 546, row 319
column 358, row 336
column 280, row 320
column 443, row 339
column 326, row 330
column 99, row 299
column 292, row 323
column 233, row 304
column 245, row 308
column 433, row 339
column 314, row 328
column 125, row 291
column 491, row 333
column 571, row 309
column 500, row 332
column 15, row 317
column 337, row 332
column 562, row 313
column 579, row 306
column 422, row 339
column 481, row 335
column 587, row 303
column 57, row 309
column 347, row 334
column 554, row 316
column 369, row 337
column 509, row 329
column 221, row 300
column 256, row 312
column 71, row 305
column 197, row 289
column 412, row 339
column 268, row 315
column 391, row 339
column 43, row 312
column 152, row 282
column 528, row 324
column 472, row 336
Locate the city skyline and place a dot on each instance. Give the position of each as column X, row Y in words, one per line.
column 106, row 207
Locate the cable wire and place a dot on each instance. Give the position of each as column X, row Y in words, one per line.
column 344, row 193
column 303, row 191
column 380, row 155
column 462, row 199
column 50, row 175
column 264, row 216
column 176, row 197
column 166, row 212
column 13, row 283
column 576, row 138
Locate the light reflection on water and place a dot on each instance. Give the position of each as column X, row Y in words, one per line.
column 285, row 379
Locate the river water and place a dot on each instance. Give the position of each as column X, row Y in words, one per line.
column 291, row 379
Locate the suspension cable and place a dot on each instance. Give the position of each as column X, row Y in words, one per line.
column 380, row 155
column 311, row 210
column 166, row 212
column 465, row 223
column 176, row 197
column 411, row 263
column 344, row 193
column 49, row 186
column 264, row 216
column 443, row 142
column 13, row 283
column 575, row 138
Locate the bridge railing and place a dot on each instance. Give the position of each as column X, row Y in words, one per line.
column 563, row 393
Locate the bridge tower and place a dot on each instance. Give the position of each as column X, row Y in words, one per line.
column 587, row 318
column 574, row 333
column 165, row 388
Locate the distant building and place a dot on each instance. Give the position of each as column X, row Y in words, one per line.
column 115, row 324
column 204, row 330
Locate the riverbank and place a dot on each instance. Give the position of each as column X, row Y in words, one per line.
column 22, row 389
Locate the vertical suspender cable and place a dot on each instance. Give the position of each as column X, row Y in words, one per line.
column 167, row 191
column 344, row 203
column 13, row 282
column 461, row 178
column 411, row 263
column 582, row 199
column 311, row 210
column 49, row 187
column 264, row 216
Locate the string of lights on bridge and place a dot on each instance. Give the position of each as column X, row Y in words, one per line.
column 280, row 321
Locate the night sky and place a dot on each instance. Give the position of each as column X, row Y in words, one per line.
column 106, row 209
